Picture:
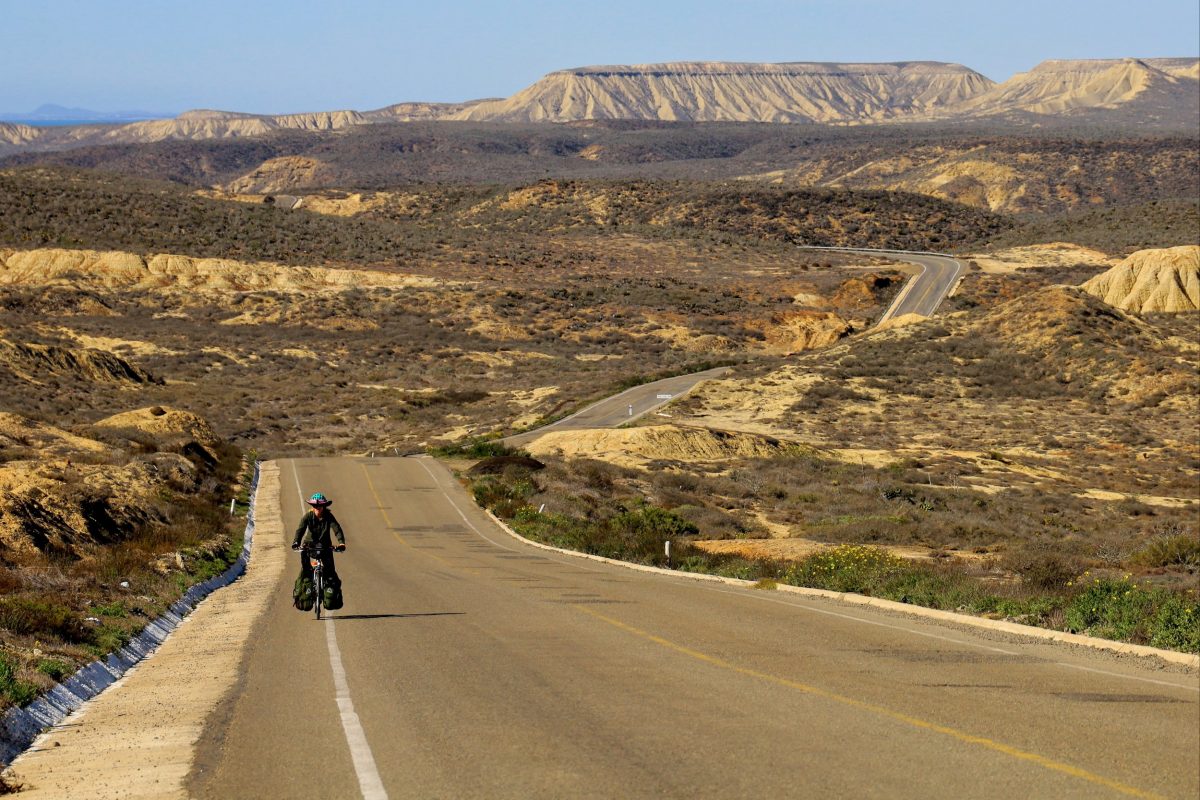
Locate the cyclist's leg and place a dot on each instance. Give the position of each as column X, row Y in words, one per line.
column 329, row 570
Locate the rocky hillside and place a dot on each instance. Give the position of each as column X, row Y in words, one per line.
column 176, row 273
column 1014, row 175
column 728, row 92
column 1152, row 281
column 43, row 207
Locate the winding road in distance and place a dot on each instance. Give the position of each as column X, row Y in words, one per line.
column 922, row 293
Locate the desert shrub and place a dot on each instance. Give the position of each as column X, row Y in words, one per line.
column 25, row 616
column 1177, row 550
column 476, row 448
column 504, row 497
column 847, row 568
column 1040, row 569
column 1176, row 625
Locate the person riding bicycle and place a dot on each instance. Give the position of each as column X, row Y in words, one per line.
column 314, row 531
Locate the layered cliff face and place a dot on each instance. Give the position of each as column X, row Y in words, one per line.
column 728, row 92
column 225, row 125
column 1075, row 87
column 419, row 112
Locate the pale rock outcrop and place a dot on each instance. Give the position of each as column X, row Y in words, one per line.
column 636, row 446
column 279, row 175
column 33, row 363
column 738, row 92
column 14, row 133
column 1073, row 86
column 1152, row 280
column 170, row 428
column 793, row 331
column 225, row 125
column 165, row 272
column 418, row 112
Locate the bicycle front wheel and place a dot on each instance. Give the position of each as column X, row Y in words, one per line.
column 320, row 594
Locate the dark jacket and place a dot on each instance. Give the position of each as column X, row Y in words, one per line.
column 312, row 530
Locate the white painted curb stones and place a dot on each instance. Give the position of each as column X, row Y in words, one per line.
column 1170, row 656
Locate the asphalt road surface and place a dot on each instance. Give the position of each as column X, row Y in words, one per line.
column 922, row 293
column 624, row 407
column 467, row 664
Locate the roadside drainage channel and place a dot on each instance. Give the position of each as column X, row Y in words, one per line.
column 20, row 726
column 1013, row 628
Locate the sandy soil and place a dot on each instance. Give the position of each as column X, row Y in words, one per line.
column 1053, row 254
column 136, row 739
column 796, row 548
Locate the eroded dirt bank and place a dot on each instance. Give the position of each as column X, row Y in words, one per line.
column 137, row 739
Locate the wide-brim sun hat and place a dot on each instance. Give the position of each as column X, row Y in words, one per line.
column 319, row 500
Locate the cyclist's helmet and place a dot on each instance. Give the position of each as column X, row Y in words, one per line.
column 319, row 500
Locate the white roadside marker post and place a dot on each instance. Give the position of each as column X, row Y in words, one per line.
column 667, row 548
column 232, row 505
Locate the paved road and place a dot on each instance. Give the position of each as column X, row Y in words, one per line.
column 921, row 294
column 924, row 292
column 469, row 665
column 624, row 407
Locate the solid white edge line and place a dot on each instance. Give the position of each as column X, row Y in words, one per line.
column 369, row 782
column 1130, row 677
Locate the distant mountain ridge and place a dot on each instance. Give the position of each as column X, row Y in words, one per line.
column 1135, row 92
column 50, row 112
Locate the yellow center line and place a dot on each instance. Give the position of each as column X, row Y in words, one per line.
column 962, row 736
column 398, row 537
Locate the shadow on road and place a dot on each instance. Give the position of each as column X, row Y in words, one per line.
column 340, row 617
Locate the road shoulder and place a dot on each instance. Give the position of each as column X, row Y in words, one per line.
column 137, row 740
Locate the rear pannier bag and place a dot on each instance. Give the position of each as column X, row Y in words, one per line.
column 304, row 594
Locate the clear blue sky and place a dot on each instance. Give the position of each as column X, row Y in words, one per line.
column 273, row 56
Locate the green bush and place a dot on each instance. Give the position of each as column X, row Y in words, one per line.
column 1176, row 626
column 1114, row 609
column 12, row 688
column 54, row 668
column 476, row 448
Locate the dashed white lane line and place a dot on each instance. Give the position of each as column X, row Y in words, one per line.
column 369, row 782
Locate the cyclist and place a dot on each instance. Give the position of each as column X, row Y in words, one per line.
column 314, row 531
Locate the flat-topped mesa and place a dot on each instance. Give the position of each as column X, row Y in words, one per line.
column 738, row 92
